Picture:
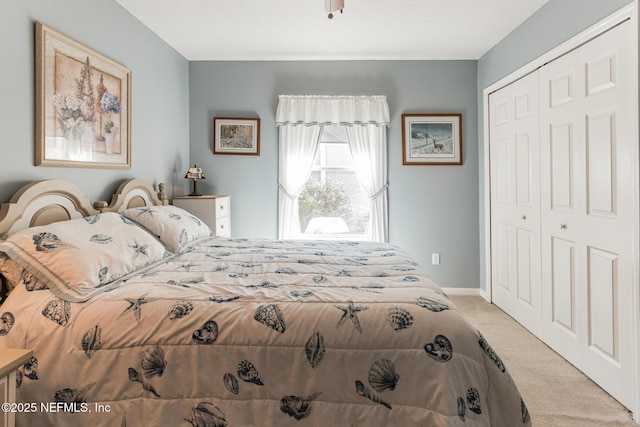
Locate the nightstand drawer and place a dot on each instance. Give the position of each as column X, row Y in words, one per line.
column 223, row 227
column 222, row 207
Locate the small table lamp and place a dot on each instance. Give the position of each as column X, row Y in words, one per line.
column 195, row 173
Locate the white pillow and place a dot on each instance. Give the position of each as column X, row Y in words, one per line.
column 175, row 227
column 80, row 258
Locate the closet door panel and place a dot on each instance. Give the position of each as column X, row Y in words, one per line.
column 515, row 201
column 562, row 172
column 609, row 211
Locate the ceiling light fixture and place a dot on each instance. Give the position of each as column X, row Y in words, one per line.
column 333, row 5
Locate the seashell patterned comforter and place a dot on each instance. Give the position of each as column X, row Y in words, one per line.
column 239, row 332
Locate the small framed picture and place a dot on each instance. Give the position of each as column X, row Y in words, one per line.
column 236, row 136
column 431, row 139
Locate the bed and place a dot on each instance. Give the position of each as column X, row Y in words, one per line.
column 138, row 315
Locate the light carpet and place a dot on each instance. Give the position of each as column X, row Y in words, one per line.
column 556, row 393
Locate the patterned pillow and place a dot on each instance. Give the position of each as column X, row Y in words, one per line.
column 175, row 227
column 80, row 258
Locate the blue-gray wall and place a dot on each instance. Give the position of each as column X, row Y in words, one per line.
column 431, row 208
column 553, row 24
column 160, row 93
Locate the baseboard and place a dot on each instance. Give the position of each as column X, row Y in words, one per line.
column 462, row 291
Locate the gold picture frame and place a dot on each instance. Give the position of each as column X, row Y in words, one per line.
column 236, row 136
column 432, row 139
column 83, row 105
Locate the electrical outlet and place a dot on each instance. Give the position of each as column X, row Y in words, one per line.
column 435, row 259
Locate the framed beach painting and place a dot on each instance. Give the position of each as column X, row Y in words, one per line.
column 83, row 105
column 431, row 139
column 236, row 136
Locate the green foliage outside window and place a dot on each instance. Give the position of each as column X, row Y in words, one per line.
column 328, row 199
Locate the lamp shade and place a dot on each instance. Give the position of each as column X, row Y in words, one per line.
column 195, row 173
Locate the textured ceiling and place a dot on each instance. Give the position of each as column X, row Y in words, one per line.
column 301, row 30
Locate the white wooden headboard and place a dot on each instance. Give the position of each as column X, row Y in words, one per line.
column 47, row 201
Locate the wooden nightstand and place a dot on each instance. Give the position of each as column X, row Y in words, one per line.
column 215, row 211
column 10, row 360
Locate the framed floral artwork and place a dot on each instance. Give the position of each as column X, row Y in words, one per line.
column 236, row 136
column 83, row 105
column 431, row 139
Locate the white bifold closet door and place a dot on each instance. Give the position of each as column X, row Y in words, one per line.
column 586, row 150
column 515, row 201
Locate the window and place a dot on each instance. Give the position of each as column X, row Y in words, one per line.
column 350, row 158
column 333, row 203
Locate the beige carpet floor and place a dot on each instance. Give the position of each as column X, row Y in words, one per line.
column 556, row 393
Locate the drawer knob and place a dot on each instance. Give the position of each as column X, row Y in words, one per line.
column 524, row 217
column 563, row 226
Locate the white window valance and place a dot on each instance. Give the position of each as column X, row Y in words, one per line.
column 316, row 110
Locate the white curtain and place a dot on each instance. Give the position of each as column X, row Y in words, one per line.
column 298, row 146
column 301, row 119
column 368, row 146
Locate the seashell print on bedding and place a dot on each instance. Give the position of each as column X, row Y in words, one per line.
column 223, row 298
column 319, row 280
column 6, row 322
column 271, row 316
column 296, row 406
column 136, row 377
column 93, row 219
column 30, row 368
column 186, row 282
column 314, row 349
column 135, row 306
column 303, row 293
column 58, row 311
column 473, row 400
column 231, row 383
column 462, row 408
column 45, row 242
column 351, row 312
column 383, row 375
column 264, row 284
column 101, row 239
column 206, row 414
column 492, row 354
column 440, row 349
column 431, row 304
column 180, row 309
column 183, row 238
column 399, row 318
column 364, row 391
column 73, row 395
column 91, row 341
column 153, row 362
column 208, row 334
column 247, row 372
